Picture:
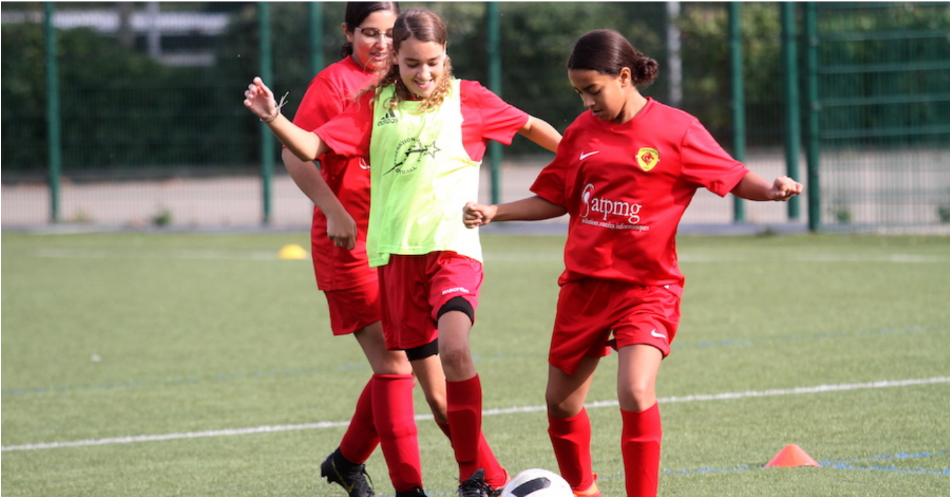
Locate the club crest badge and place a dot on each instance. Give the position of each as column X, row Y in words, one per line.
column 409, row 155
column 647, row 158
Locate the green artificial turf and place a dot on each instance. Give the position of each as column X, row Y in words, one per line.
column 161, row 364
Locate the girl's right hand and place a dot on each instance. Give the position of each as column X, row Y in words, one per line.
column 341, row 230
column 260, row 100
column 475, row 214
column 784, row 188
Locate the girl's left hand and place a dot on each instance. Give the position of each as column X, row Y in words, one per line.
column 475, row 214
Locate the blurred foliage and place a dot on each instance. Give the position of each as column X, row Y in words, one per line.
column 707, row 73
column 121, row 110
column 107, row 99
column 534, row 48
column 905, row 49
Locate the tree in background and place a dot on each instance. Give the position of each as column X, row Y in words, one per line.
column 110, row 100
column 123, row 111
column 707, row 73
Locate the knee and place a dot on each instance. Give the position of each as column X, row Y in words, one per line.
column 561, row 407
column 558, row 410
column 437, row 404
column 455, row 358
column 396, row 363
column 389, row 362
column 637, row 396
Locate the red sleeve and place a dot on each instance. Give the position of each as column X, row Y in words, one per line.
column 707, row 164
column 549, row 184
column 552, row 182
column 487, row 117
column 320, row 103
column 348, row 134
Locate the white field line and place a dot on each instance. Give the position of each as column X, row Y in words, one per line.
column 816, row 257
column 489, row 412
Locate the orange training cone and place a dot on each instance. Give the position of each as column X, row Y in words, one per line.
column 790, row 457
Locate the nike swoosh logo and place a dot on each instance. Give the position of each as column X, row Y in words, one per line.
column 588, row 154
column 343, row 481
column 657, row 335
column 363, row 164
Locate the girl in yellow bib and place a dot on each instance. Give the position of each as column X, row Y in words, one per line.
column 424, row 134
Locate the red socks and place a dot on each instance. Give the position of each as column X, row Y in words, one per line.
column 395, row 424
column 640, row 443
column 360, row 439
column 495, row 474
column 464, row 399
column 571, row 440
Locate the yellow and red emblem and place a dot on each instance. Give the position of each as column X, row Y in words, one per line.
column 647, row 158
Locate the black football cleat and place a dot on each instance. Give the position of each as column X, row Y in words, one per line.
column 475, row 486
column 351, row 476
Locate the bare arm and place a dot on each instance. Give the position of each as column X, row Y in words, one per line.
column 341, row 227
column 754, row 187
column 304, row 144
column 527, row 209
column 541, row 133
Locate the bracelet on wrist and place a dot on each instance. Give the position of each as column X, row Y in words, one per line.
column 283, row 102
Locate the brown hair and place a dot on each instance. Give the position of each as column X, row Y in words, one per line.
column 425, row 26
column 356, row 13
column 608, row 52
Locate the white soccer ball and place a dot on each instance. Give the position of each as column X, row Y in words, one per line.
column 537, row 483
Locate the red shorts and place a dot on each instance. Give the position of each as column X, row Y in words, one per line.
column 590, row 310
column 338, row 268
column 353, row 309
column 415, row 287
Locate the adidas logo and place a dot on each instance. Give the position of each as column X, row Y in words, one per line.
column 389, row 118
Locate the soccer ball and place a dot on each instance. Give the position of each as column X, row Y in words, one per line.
column 537, row 483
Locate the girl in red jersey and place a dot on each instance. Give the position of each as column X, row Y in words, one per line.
column 625, row 172
column 424, row 134
column 339, row 190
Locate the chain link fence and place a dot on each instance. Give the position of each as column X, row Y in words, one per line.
column 152, row 132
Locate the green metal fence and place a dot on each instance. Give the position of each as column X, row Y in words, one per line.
column 128, row 114
column 882, row 77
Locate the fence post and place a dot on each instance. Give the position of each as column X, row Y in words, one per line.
column 494, row 84
column 53, row 121
column 813, row 147
column 267, row 140
column 315, row 14
column 792, row 114
column 674, row 47
column 738, row 99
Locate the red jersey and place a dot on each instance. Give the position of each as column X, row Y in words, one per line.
column 485, row 117
column 626, row 187
column 327, row 96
